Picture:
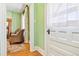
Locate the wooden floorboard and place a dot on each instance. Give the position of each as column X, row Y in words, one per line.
column 24, row 52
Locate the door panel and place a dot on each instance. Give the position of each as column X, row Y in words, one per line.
column 62, row 21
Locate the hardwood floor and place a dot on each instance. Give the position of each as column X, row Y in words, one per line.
column 25, row 52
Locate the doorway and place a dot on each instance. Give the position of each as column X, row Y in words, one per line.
column 28, row 26
column 16, row 37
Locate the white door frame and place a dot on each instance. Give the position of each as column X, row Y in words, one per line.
column 31, row 24
column 31, row 17
column 3, row 31
column 45, row 41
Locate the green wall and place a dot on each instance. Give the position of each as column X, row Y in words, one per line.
column 39, row 26
column 16, row 19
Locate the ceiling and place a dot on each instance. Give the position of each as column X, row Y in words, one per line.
column 17, row 7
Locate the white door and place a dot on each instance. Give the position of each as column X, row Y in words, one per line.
column 62, row 31
column 56, row 17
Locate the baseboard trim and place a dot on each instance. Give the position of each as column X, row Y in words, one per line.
column 32, row 49
column 40, row 50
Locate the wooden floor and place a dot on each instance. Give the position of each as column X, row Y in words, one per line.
column 25, row 52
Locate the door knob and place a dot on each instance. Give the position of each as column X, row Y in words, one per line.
column 48, row 31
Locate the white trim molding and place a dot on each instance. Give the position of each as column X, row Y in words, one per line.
column 31, row 10
column 3, row 31
column 40, row 50
column 45, row 33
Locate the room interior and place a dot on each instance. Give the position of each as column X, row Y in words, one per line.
column 18, row 34
column 53, row 30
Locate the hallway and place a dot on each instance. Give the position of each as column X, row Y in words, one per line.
column 25, row 52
